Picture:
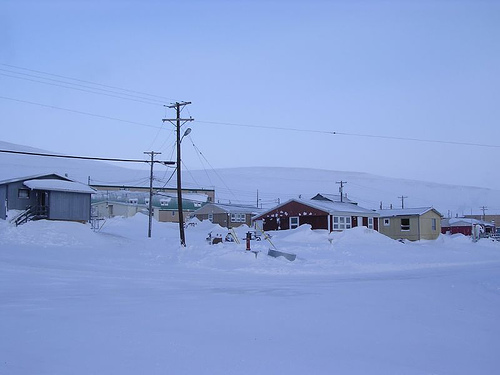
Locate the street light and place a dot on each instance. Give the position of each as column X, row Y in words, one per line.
column 188, row 130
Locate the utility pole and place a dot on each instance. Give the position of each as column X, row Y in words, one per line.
column 178, row 122
column 402, row 201
column 484, row 209
column 150, row 205
column 341, row 189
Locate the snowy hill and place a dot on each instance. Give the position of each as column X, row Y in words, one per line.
column 268, row 184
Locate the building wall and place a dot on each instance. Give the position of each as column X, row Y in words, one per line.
column 393, row 230
column 16, row 203
column 420, row 227
column 69, row 206
column 111, row 209
column 209, row 192
column 170, row 216
column 467, row 231
column 224, row 219
column 3, row 202
column 279, row 218
column 426, row 231
column 316, row 222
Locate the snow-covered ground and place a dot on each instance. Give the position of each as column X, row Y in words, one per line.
column 73, row 301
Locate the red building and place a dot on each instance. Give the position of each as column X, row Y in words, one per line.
column 320, row 213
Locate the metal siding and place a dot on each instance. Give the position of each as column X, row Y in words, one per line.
column 69, row 206
column 15, row 203
column 3, row 197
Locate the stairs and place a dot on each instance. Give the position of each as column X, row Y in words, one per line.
column 31, row 213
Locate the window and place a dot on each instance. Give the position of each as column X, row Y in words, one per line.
column 342, row 222
column 370, row 223
column 387, row 222
column 294, row 222
column 238, row 218
column 211, row 217
column 405, row 224
column 146, row 201
column 133, row 201
column 23, row 194
column 197, row 204
column 434, row 224
column 163, row 202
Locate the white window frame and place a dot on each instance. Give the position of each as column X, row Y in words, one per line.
column 292, row 222
column 133, row 201
column 342, row 222
column 434, row 224
column 211, row 217
column 238, row 218
column 163, row 202
column 370, row 223
column 387, row 222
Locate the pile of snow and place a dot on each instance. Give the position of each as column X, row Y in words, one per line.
column 115, row 301
column 318, row 252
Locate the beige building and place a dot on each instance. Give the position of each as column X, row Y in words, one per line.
column 410, row 223
column 226, row 215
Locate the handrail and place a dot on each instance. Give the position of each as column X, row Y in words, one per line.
column 32, row 213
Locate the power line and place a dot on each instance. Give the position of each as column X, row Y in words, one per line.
column 109, row 94
column 88, row 82
column 84, row 157
column 261, row 127
column 79, row 112
column 350, row 134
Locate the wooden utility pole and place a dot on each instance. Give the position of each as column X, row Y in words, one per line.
column 402, row 201
column 178, row 122
column 341, row 189
column 150, row 205
column 484, row 209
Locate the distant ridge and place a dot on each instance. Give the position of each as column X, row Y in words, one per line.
column 268, row 184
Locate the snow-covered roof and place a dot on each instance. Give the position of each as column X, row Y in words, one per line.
column 332, row 208
column 58, row 185
column 32, row 177
column 230, row 208
column 406, row 211
column 194, row 197
column 332, row 197
column 463, row 222
column 338, row 207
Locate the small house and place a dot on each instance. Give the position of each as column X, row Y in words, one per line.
column 50, row 196
column 226, row 215
column 412, row 224
column 464, row 226
column 320, row 213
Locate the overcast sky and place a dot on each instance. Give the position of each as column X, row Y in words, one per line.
column 404, row 69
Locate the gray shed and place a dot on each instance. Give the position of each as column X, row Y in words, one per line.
column 52, row 197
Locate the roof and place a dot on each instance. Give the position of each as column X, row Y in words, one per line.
column 463, row 222
column 186, row 196
column 33, row 177
column 407, row 212
column 331, row 208
column 332, row 198
column 59, row 185
column 229, row 208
